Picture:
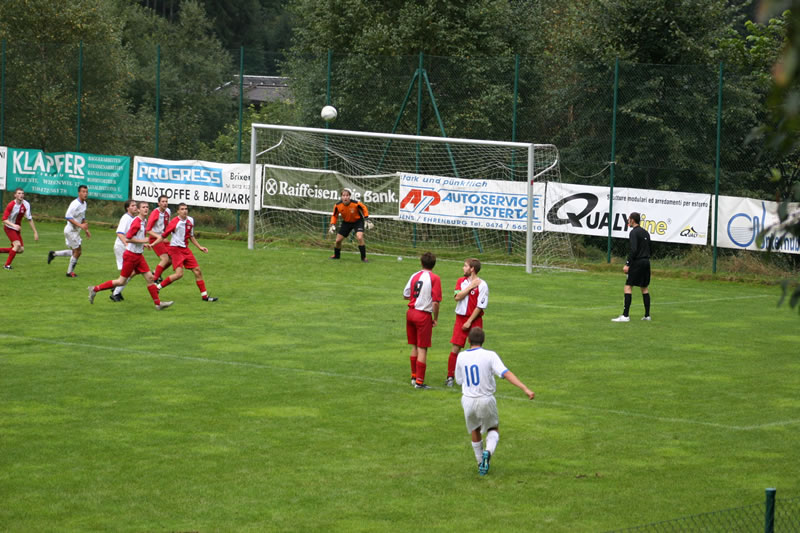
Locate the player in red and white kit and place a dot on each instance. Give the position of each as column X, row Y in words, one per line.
column 472, row 298
column 424, row 293
column 475, row 372
column 121, row 244
column 156, row 224
column 15, row 211
column 133, row 261
column 182, row 230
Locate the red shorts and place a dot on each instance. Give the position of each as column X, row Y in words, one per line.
column 459, row 334
column 182, row 257
column 131, row 263
column 419, row 327
column 160, row 248
column 13, row 235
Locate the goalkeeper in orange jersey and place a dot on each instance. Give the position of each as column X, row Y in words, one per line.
column 354, row 217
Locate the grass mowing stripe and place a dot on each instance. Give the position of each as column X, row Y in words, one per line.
column 544, row 403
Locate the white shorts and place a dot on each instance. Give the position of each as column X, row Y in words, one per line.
column 480, row 413
column 119, row 250
column 72, row 238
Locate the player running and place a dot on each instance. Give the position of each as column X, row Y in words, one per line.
column 76, row 221
column 15, row 211
column 156, row 224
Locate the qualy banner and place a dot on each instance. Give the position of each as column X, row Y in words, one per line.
column 667, row 216
column 199, row 183
column 742, row 219
column 61, row 173
column 316, row 191
column 489, row 204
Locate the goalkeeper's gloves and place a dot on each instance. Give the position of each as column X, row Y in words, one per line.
column 368, row 224
column 332, row 229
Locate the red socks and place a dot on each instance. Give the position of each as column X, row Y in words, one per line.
column 451, row 364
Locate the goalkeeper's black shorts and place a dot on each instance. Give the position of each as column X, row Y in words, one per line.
column 346, row 227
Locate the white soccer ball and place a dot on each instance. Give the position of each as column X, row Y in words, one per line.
column 399, row 258
column 328, row 113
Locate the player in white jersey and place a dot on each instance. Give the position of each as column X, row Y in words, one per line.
column 156, row 224
column 423, row 292
column 475, row 372
column 76, row 221
column 15, row 211
column 472, row 297
column 120, row 244
column 133, row 260
column 182, row 230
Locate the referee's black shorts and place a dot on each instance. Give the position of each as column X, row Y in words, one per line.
column 346, row 227
column 639, row 273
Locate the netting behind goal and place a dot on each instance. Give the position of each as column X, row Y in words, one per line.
column 404, row 180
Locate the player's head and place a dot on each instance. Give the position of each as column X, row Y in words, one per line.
column 83, row 192
column 476, row 337
column 346, row 194
column 183, row 210
column 472, row 266
column 144, row 208
column 19, row 194
column 428, row 260
column 635, row 217
column 163, row 201
column 131, row 207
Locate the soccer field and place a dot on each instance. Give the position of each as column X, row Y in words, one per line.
column 286, row 405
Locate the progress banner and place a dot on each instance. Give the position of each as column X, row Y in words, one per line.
column 61, row 173
column 485, row 204
column 742, row 219
column 197, row 183
column 668, row 216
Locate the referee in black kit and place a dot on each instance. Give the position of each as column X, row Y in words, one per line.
column 637, row 267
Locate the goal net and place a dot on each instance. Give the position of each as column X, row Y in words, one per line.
column 456, row 197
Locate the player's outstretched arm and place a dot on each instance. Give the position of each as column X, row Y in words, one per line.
column 514, row 380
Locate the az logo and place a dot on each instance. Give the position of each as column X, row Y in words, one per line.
column 421, row 200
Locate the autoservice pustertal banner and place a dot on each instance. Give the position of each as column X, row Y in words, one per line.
column 61, row 173
column 742, row 219
column 470, row 203
column 668, row 216
column 200, row 183
column 316, row 191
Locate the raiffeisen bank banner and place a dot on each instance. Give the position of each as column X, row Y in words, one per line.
column 742, row 219
column 316, row 191
column 667, row 216
column 200, row 183
column 485, row 204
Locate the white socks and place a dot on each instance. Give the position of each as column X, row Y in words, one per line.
column 62, row 253
column 477, row 447
column 119, row 289
column 491, row 441
column 72, row 262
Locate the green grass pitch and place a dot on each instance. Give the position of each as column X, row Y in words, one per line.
column 286, row 406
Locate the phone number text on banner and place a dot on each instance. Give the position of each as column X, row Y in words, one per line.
column 61, row 173
column 484, row 204
column 199, row 183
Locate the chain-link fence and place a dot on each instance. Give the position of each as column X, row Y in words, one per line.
column 776, row 515
column 672, row 127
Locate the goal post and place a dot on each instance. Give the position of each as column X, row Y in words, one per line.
column 458, row 197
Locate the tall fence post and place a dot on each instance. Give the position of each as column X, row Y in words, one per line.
column 80, row 90
column 612, row 163
column 158, row 92
column 769, row 512
column 716, row 166
column 3, row 95
column 241, row 102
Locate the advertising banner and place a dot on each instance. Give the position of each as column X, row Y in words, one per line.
column 316, row 191
column 3, row 167
column 61, row 173
column 667, row 216
column 742, row 219
column 199, row 183
column 485, row 204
